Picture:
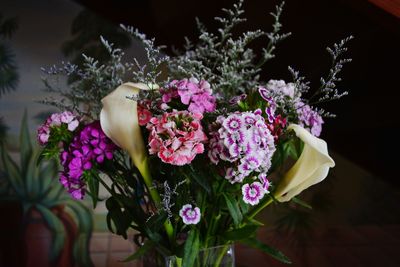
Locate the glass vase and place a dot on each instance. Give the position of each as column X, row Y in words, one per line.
column 220, row 256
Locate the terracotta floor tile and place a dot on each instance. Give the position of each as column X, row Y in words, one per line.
column 116, row 257
column 99, row 259
column 100, row 243
column 120, row 244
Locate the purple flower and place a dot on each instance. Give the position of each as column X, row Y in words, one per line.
column 75, row 188
column 244, row 140
column 309, row 119
column 77, row 193
column 263, row 93
column 190, row 215
column 265, row 182
column 88, row 147
column 237, row 99
column 253, row 193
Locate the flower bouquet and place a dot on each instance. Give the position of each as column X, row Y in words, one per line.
column 195, row 147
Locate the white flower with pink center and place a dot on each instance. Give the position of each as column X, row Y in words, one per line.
column 233, row 123
column 253, row 193
column 245, row 140
column 189, row 214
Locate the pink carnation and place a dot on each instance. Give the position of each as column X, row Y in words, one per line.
column 56, row 120
column 144, row 115
column 197, row 95
column 176, row 137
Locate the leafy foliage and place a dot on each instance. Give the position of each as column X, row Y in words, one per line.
column 8, row 67
column 36, row 187
column 224, row 60
column 95, row 80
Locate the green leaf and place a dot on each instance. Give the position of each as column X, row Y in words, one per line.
column 121, row 220
column 241, row 233
column 12, row 172
column 233, row 208
column 200, row 179
column 85, row 227
column 191, row 249
column 25, row 144
column 47, row 174
column 289, row 149
column 31, row 176
column 253, row 221
column 254, row 243
column 148, row 245
column 57, row 228
column 93, row 184
column 243, row 206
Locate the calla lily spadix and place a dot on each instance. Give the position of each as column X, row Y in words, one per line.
column 311, row 168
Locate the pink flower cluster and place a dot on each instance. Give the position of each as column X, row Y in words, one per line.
column 309, row 118
column 176, row 137
column 56, row 120
column 144, row 113
column 198, row 95
column 89, row 147
column 277, row 126
column 245, row 140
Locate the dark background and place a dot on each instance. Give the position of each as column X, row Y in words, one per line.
column 366, row 129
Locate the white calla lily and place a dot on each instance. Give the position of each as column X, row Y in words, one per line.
column 119, row 121
column 311, row 168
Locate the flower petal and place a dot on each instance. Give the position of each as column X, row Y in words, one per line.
column 119, row 120
column 311, row 168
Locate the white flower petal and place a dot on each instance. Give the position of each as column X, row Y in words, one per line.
column 119, row 120
column 311, row 168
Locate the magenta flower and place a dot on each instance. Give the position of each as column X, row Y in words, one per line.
column 253, row 193
column 176, row 137
column 190, row 215
column 89, row 147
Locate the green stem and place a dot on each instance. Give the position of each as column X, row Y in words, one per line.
column 145, row 172
column 221, row 255
column 178, row 262
column 264, row 203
